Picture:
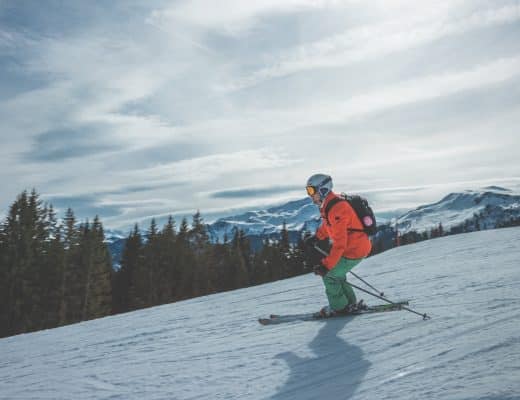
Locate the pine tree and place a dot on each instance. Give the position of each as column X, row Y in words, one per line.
column 4, row 282
column 35, row 242
column 12, row 254
column 239, row 261
column 151, row 258
column 270, row 259
column 53, row 267
column 257, row 269
column 86, row 261
column 203, row 269
column 198, row 233
column 72, row 274
column 24, row 255
column 29, row 265
column 284, row 243
column 99, row 289
column 477, row 222
column 168, row 263
column 186, row 260
column 140, row 280
column 125, row 286
column 297, row 264
column 45, row 271
column 283, row 252
column 221, row 261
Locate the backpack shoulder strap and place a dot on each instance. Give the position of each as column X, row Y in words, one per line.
column 331, row 204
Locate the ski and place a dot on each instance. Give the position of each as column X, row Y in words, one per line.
column 315, row 316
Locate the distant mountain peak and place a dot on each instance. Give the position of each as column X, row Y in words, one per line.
column 302, row 214
column 493, row 206
column 498, row 189
column 297, row 215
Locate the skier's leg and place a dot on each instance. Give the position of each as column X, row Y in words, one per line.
column 336, row 287
column 347, row 289
column 348, row 292
column 334, row 292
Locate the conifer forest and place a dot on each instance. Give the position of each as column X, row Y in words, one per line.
column 55, row 271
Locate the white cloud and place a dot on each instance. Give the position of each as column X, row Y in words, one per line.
column 376, row 40
column 92, row 80
column 229, row 16
column 272, row 122
column 429, row 87
column 209, row 168
column 11, row 40
column 6, row 39
column 149, row 91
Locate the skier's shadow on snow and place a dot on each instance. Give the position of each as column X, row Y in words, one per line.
column 336, row 369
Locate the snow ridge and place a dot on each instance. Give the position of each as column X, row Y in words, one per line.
column 496, row 204
column 491, row 207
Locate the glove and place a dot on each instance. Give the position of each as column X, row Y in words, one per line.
column 320, row 270
column 310, row 241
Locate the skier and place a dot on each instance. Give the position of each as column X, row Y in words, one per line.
column 348, row 247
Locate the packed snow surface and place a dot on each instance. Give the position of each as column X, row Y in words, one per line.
column 213, row 347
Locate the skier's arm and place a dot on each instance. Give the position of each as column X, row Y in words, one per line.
column 340, row 219
column 321, row 232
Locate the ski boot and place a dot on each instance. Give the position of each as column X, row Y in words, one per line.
column 326, row 312
column 361, row 305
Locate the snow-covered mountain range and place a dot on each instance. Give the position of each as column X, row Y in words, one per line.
column 489, row 207
column 496, row 204
column 212, row 347
column 299, row 215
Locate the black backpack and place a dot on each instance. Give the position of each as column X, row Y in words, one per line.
column 362, row 210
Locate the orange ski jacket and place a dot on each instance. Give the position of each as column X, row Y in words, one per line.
column 345, row 243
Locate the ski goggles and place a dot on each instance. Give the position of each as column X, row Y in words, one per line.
column 311, row 190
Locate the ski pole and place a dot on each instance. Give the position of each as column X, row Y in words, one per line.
column 323, row 252
column 425, row 316
column 368, row 284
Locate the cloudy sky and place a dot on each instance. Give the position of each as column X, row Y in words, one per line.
column 133, row 109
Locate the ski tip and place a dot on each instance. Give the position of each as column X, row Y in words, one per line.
column 263, row 321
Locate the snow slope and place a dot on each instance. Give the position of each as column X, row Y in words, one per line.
column 213, row 348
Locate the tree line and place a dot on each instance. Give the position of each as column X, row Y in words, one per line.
column 57, row 272
column 387, row 238
column 51, row 273
column 166, row 265
column 54, row 273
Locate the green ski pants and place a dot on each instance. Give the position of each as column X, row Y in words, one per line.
column 339, row 292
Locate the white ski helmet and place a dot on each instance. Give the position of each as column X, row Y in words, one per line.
column 319, row 183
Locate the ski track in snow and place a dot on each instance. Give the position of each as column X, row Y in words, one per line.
column 213, row 347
